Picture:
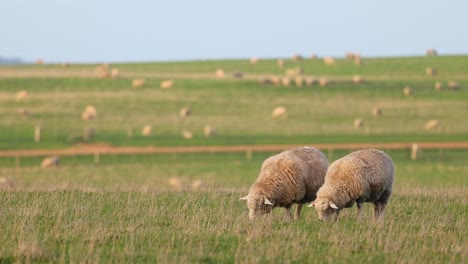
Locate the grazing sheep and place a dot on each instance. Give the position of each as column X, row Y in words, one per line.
column 313, row 56
column 279, row 111
column 237, row 74
column 185, row 111
column 376, row 111
column 137, row 83
column 323, row 82
column 358, row 122
column 362, row 176
column 220, row 73
column 281, row 63
column 253, row 60
column 265, row 81
column 187, row 135
column 147, row 131
column 358, row 79
column 7, row 182
column 198, row 184
column 209, row 131
column 431, row 71
column 407, row 91
column 438, row 86
column 292, row 73
column 115, row 73
column 432, row 124
column 311, row 81
column 290, row 177
column 452, row 85
column 298, row 81
column 89, row 113
column 176, row 183
column 431, row 52
column 285, row 81
column 297, row 57
column 276, row 80
column 50, row 162
column 350, row 56
column 167, row 84
column 22, row 95
column 329, row 60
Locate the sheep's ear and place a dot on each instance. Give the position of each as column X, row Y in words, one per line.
column 333, row 205
column 312, row 204
column 268, row 201
column 245, row 197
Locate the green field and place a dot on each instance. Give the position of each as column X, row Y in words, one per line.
column 143, row 208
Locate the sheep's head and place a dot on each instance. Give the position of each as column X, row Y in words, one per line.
column 258, row 205
column 326, row 209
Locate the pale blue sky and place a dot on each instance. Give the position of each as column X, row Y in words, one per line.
column 153, row 30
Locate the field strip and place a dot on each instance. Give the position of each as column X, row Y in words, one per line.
column 84, row 73
column 102, row 149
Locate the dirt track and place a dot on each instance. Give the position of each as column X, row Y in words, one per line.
column 103, row 149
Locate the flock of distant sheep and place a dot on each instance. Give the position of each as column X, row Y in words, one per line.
column 302, row 175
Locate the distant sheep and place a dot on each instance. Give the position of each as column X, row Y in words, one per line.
column 358, row 60
column 253, row 60
column 438, row 86
column 137, row 83
column 290, row 177
column 220, row 73
column 237, row 74
column 376, row 111
column 50, row 162
column 115, row 73
column 147, row 131
column 176, row 183
column 185, row 111
column 452, row 85
column 276, row 80
column 432, row 124
column 298, row 81
column 167, row 84
column 198, row 184
column 89, row 113
column 313, row 56
column 279, row 111
column 292, row 73
column 358, row 122
column 297, row 57
column 187, row 135
column 431, row 71
column 329, row 60
column 22, row 95
column 266, row 81
column 431, row 52
column 7, row 182
column 310, row 81
column 40, row 62
column 209, row 131
column 407, row 91
column 285, row 81
column 323, row 82
column 358, row 79
column 362, row 176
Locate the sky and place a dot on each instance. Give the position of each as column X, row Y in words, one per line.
column 88, row 31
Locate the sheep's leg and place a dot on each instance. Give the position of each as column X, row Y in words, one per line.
column 298, row 211
column 359, row 210
column 379, row 206
column 288, row 214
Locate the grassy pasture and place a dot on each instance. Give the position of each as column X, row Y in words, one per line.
column 124, row 210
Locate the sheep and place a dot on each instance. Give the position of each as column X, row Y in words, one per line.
column 276, row 80
column 220, row 73
column 438, row 86
column 137, row 83
column 329, row 60
column 266, row 81
column 167, row 84
column 407, row 91
column 7, row 182
column 115, row 73
column 358, row 60
column 358, row 122
column 290, row 177
column 89, row 113
column 279, row 111
column 237, row 74
column 431, row 71
column 311, row 81
column 376, row 111
column 313, row 56
column 292, row 73
column 253, row 60
column 209, row 131
column 198, row 184
column 298, row 81
column 50, row 162
column 147, row 131
column 452, row 85
column 285, row 81
column 358, row 79
column 431, row 52
column 187, row 135
column 22, row 95
column 185, row 111
column 362, row 176
column 432, row 124
column 323, row 82
column 297, row 57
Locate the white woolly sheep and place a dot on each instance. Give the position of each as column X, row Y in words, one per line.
column 438, row 86
column 253, row 60
column 452, row 85
column 209, row 131
column 89, row 113
column 298, row 81
column 281, row 63
column 362, row 176
column 407, row 91
column 137, row 83
column 220, row 73
column 432, row 124
column 323, row 82
column 358, row 79
column 358, row 122
column 279, row 111
column 6, row 182
column 431, row 52
column 187, row 135
column 167, row 84
column 21, row 95
column 376, row 111
column 50, row 162
column 290, row 177
column 329, row 60
column 147, row 131
column 185, row 111
column 297, row 57
column 431, row 71
column 285, row 81
column 115, row 73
